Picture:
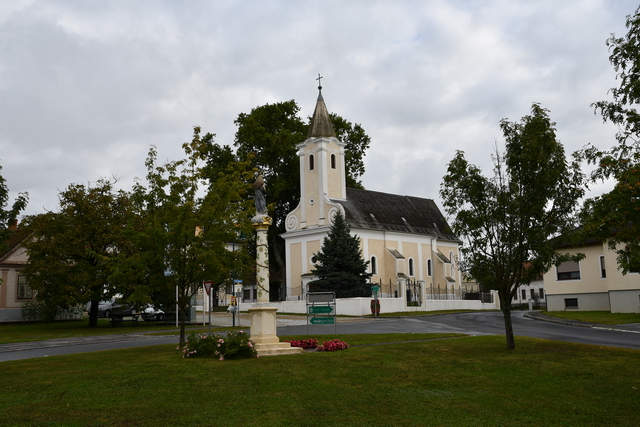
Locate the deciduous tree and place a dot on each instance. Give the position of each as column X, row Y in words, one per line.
column 269, row 134
column 614, row 217
column 507, row 220
column 339, row 265
column 189, row 220
column 71, row 251
column 9, row 216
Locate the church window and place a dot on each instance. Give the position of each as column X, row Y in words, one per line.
column 411, row 272
column 312, row 165
column 429, row 268
column 374, row 265
column 333, row 161
column 452, row 266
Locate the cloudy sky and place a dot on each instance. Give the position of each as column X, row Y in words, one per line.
column 86, row 87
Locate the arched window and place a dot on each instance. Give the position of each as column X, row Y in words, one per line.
column 374, row 265
column 453, row 266
column 312, row 165
column 333, row 161
column 429, row 268
column 411, row 272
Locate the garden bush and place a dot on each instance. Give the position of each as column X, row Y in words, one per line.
column 236, row 345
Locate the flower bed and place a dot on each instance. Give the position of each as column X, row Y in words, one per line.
column 236, row 345
column 332, row 345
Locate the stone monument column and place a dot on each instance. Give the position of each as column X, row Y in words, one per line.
column 263, row 317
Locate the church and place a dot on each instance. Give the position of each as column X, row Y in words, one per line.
column 411, row 249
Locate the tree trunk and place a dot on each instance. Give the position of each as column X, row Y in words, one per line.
column 505, row 306
column 93, row 314
column 182, row 315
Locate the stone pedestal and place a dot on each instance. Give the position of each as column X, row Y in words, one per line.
column 263, row 318
column 263, row 333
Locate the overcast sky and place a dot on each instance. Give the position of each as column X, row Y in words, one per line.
column 86, row 87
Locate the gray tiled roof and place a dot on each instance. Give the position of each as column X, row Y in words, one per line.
column 367, row 209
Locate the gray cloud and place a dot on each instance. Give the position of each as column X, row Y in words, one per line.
column 87, row 87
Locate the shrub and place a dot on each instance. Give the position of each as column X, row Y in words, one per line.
column 236, row 345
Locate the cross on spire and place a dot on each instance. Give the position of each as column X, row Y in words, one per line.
column 319, row 82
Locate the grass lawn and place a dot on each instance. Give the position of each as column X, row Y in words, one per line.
column 600, row 317
column 464, row 381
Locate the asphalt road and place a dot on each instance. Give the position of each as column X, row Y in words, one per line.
column 478, row 323
column 486, row 323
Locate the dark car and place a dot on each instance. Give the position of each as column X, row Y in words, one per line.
column 105, row 308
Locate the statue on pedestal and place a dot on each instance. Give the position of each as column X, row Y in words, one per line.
column 260, row 194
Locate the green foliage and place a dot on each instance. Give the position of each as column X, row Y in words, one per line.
column 72, row 251
column 614, row 217
column 32, row 311
column 191, row 209
column 235, row 345
column 8, row 217
column 339, row 265
column 507, row 220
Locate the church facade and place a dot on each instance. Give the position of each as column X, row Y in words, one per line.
column 411, row 249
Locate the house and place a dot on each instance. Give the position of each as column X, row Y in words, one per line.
column 533, row 292
column 14, row 289
column 411, row 249
column 592, row 284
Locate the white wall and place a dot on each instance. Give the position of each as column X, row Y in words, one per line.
column 362, row 306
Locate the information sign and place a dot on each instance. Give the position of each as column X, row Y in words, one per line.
column 323, row 320
column 320, row 309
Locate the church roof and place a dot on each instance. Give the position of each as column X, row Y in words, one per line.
column 320, row 122
column 381, row 211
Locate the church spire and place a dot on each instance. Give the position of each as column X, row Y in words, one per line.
column 320, row 122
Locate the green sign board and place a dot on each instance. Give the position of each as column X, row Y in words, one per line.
column 322, row 320
column 324, row 309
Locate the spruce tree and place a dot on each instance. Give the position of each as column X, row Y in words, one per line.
column 339, row 265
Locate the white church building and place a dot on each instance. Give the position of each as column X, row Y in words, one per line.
column 411, row 249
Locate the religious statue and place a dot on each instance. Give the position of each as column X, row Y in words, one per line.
column 260, row 195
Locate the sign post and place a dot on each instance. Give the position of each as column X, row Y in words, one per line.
column 207, row 287
column 321, row 306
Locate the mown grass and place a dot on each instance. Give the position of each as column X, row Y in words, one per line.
column 599, row 317
column 470, row 381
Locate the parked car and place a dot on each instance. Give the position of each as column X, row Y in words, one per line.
column 105, row 308
column 152, row 313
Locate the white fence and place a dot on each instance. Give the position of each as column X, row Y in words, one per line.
column 362, row 306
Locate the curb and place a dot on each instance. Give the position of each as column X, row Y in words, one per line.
column 549, row 319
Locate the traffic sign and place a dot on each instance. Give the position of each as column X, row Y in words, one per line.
column 207, row 287
column 321, row 309
column 323, row 320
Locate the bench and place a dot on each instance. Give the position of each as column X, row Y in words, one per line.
column 117, row 318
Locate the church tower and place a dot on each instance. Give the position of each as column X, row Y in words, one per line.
column 322, row 173
column 322, row 188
